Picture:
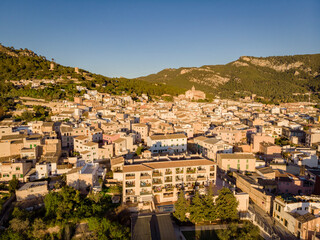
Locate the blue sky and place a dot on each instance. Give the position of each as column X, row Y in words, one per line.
column 135, row 38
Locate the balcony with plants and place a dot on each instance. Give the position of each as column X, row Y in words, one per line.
column 130, row 184
column 130, row 192
column 145, row 192
column 168, row 172
column 130, row 176
column 179, row 170
column 157, row 189
column 145, row 184
column 168, row 179
column 191, row 170
column 190, row 178
column 169, row 187
column 179, row 178
column 156, row 181
column 145, row 176
column 201, row 170
column 156, row 174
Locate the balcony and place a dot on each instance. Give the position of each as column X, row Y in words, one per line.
column 169, row 188
column 212, row 169
column 130, row 192
column 130, row 184
column 130, row 176
column 157, row 189
column 145, row 176
column 211, row 175
column 179, row 179
column 167, row 195
column 156, row 174
column 191, row 170
column 145, row 184
column 168, row 179
column 201, row 177
column 157, row 181
column 168, row 172
column 179, row 171
column 202, row 170
column 191, row 179
column 145, row 193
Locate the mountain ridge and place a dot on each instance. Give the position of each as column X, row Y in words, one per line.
column 279, row 76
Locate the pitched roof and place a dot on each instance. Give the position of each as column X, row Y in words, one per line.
column 236, row 156
column 169, row 136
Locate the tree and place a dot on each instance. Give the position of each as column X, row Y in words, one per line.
column 197, row 211
column 18, row 225
column 226, row 205
column 181, row 208
column 13, row 184
column 209, row 206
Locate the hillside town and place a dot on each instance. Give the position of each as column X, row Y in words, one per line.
column 267, row 155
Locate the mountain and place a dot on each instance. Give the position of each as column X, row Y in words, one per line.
column 277, row 78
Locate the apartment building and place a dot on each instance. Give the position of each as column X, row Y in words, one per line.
column 237, row 162
column 172, row 143
column 210, row 147
column 162, row 180
column 230, row 135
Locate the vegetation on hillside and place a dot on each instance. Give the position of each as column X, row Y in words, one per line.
column 244, row 78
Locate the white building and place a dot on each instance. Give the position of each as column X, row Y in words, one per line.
column 171, row 143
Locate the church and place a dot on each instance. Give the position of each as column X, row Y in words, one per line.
column 194, row 94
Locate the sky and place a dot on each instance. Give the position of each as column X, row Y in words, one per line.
column 139, row 37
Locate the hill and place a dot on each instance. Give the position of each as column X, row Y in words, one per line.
column 24, row 64
column 275, row 79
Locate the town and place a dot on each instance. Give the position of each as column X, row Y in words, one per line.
column 148, row 154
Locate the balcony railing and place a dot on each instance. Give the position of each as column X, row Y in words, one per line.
column 179, row 179
column 145, row 193
column 211, row 175
column 212, row 169
column 191, row 179
column 168, row 172
column 157, row 174
column 168, row 179
column 145, row 176
column 202, row 170
column 144, row 184
column 130, row 192
column 128, row 185
column 191, row 170
column 157, row 181
column 167, row 195
column 201, row 177
column 130, row 177
column 179, row 171
column 157, row 189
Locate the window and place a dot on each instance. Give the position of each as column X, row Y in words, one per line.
column 299, row 225
column 247, row 166
column 238, row 166
column 17, row 168
column 21, row 175
column 228, row 166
